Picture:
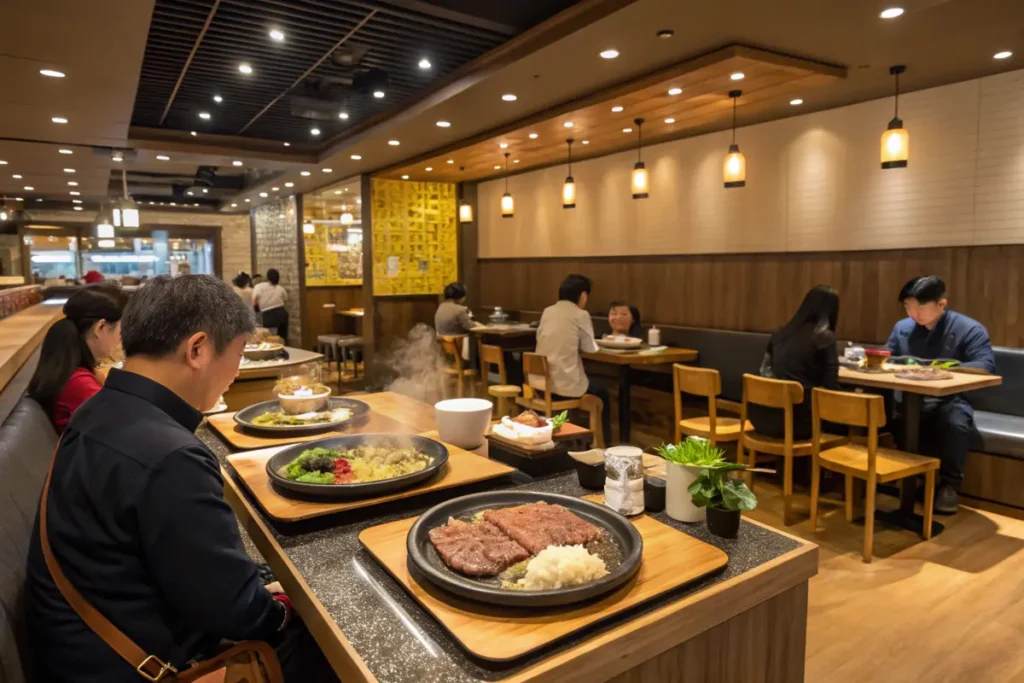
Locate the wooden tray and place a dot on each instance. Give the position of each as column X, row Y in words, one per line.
column 463, row 468
column 671, row 560
column 569, row 431
column 245, row 440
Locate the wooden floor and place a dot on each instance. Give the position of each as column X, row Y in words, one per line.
column 949, row 610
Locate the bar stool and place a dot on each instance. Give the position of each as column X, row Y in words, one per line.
column 708, row 383
column 493, row 355
column 350, row 347
column 537, row 376
column 327, row 346
column 452, row 347
column 781, row 394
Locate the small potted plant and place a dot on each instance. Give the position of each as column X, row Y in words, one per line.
column 684, row 462
column 723, row 496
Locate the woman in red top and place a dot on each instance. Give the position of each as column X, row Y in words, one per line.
column 90, row 329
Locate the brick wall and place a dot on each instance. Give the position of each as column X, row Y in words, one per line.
column 277, row 246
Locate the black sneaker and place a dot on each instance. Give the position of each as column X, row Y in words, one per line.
column 946, row 500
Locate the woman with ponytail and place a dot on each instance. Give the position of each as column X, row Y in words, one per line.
column 89, row 330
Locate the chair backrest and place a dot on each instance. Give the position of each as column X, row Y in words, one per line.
column 492, row 355
column 848, row 408
column 774, row 393
column 535, row 378
column 452, row 347
column 27, row 440
column 697, row 381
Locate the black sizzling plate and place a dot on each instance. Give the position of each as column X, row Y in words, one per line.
column 437, row 452
column 246, row 416
column 426, row 563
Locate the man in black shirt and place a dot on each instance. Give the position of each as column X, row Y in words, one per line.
column 136, row 514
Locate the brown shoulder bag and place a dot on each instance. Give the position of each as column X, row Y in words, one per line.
column 247, row 662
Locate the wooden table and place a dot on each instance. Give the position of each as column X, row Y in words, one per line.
column 626, row 362
column 913, row 392
column 256, row 380
column 351, row 320
column 371, row 630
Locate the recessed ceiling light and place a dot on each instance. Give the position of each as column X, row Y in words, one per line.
column 65, row 151
column 405, row 177
column 509, row 97
column 497, row 166
column 337, row 192
column 586, row 142
column 675, row 91
column 327, row 170
column 670, row 120
column 424, row 63
column 314, row 131
column 75, row 193
column 665, row 33
column 515, row 161
column 891, row 12
column 72, row 183
column 444, row 124
column 2, row 162
column 69, row 170
column 233, row 206
column 356, row 157
column 188, row 193
column 236, row 162
column 275, row 189
column 289, row 184
column 379, row 94
column 162, row 157
column 118, row 159
column 797, row 102
column 450, row 161
column 1005, row 54
column 174, row 204
column 245, row 68
column 287, row 144
column 79, row 201
column 609, row 54
column 627, row 130
column 503, row 145
column 19, row 199
column 738, row 76
column 247, row 200
column 193, row 133
column 59, row 119
column 77, row 208
column 52, row 73
column 276, row 34
column 29, row 188
column 264, row 195
column 204, row 115
column 304, row 173
column 430, row 168
column 218, row 99
column 394, row 143
column 343, row 115
column 16, row 176
column 206, row 191
column 533, row 136
column 568, row 124
column 617, row 108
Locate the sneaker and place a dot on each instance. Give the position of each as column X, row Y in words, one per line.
column 946, row 500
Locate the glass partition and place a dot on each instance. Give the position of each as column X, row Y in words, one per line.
column 332, row 229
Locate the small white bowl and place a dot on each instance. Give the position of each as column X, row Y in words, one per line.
column 299, row 405
column 463, row 422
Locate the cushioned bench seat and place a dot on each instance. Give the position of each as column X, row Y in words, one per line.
column 1000, row 434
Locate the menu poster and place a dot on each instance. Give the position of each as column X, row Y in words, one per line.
column 415, row 238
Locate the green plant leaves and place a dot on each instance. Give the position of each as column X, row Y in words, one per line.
column 715, row 487
column 693, row 452
column 736, row 496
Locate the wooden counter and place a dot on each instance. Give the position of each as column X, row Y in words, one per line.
column 21, row 334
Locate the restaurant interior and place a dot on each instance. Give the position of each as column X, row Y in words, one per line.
column 540, row 268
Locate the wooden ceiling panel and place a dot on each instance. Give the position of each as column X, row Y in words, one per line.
column 597, row 130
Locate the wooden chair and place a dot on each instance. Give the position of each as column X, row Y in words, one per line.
column 864, row 461
column 705, row 382
column 536, row 397
column 493, row 355
column 452, row 347
column 782, row 394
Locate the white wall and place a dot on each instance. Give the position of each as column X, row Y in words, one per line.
column 813, row 183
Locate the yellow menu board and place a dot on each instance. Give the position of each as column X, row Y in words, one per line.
column 333, row 257
column 415, row 241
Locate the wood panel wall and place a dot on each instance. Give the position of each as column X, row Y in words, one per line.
column 321, row 304
column 395, row 316
column 759, row 292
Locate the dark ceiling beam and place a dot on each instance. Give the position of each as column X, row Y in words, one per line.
column 454, row 15
column 188, row 62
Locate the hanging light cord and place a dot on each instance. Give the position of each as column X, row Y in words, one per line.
column 639, row 141
column 506, row 172
column 733, row 121
column 124, row 182
column 896, row 112
column 570, row 156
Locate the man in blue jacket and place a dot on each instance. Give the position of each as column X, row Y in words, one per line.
column 933, row 331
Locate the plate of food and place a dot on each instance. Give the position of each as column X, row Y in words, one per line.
column 620, row 341
column 356, row 466
column 529, row 428
column 268, row 416
column 261, row 351
column 919, row 373
column 524, row 548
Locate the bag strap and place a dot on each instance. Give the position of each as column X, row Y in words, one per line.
column 149, row 667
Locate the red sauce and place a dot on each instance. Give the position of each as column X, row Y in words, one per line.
column 343, row 473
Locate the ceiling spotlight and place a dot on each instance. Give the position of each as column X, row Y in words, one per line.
column 277, row 35
column 218, row 99
column 52, row 73
column 405, row 177
column 425, row 63
column 670, row 120
column 264, row 195
column 394, row 143
column 738, row 76
column 76, row 201
column 304, row 173
column 233, row 206
column 247, row 200
column 245, row 68
column 497, row 167
column 314, row 131
column 617, row 108
column 797, row 102
column 343, row 115
column 188, row 193
column 19, row 199
column 675, row 91
column 503, row 145
column 450, row 161
column 193, row 133
column 2, row 162
column 16, row 176
column 75, row 193
column 72, row 183
column 69, row 170
column 665, row 33
column 236, row 162
column 586, row 142
column 162, row 157
column 627, row 130
column 891, row 12
column 429, row 168
column 327, row 170
column 532, row 136
column 287, row 144
column 59, row 119
column 289, row 184
column 379, row 94
column 117, row 158
column 273, row 189
column 515, row 161
column 1005, row 54
column 568, row 124
column 77, row 208
column 206, row 190
column 29, row 188
column 204, row 115
column 444, row 124
column 509, row 97
column 337, row 192
column 65, row 151
column 609, row 54
column 355, row 157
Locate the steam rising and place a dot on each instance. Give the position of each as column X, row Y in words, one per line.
column 418, row 365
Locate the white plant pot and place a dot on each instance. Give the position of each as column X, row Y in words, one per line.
column 678, row 503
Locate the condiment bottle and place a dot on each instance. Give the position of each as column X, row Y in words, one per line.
column 654, row 337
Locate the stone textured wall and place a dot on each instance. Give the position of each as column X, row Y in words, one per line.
column 277, row 246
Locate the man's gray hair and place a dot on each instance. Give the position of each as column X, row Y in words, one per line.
column 166, row 311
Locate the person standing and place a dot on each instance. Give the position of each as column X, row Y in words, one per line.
column 565, row 330
column 135, row 511
column 269, row 298
column 931, row 330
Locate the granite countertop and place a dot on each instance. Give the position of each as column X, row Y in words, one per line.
column 398, row 640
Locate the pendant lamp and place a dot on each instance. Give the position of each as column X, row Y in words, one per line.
column 569, row 188
column 734, row 170
column 465, row 208
column 346, row 215
column 639, row 179
column 126, row 211
column 508, row 207
column 104, row 221
column 895, row 140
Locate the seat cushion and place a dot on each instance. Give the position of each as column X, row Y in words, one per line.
column 1000, row 434
column 1005, row 398
column 890, row 464
column 726, row 428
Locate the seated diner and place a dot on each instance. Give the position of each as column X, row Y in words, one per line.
column 624, row 319
column 453, row 317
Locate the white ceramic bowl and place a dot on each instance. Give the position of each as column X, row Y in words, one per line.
column 463, row 422
column 300, row 405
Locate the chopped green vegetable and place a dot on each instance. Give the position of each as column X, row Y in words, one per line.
column 316, row 478
column 558, row 420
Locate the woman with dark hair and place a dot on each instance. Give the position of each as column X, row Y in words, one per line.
column 624, row 319
column 803, row 350
column 89, row 330
column 268, row 298
column 242, row 284
column 452, row 316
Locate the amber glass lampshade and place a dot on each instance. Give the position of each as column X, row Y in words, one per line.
column 639, row 183
column 569, row 193
column 465, row 212
column 508, row 207
column 734, row 170
column 895, row 145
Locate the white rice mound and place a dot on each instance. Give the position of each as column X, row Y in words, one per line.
column 561, row 566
